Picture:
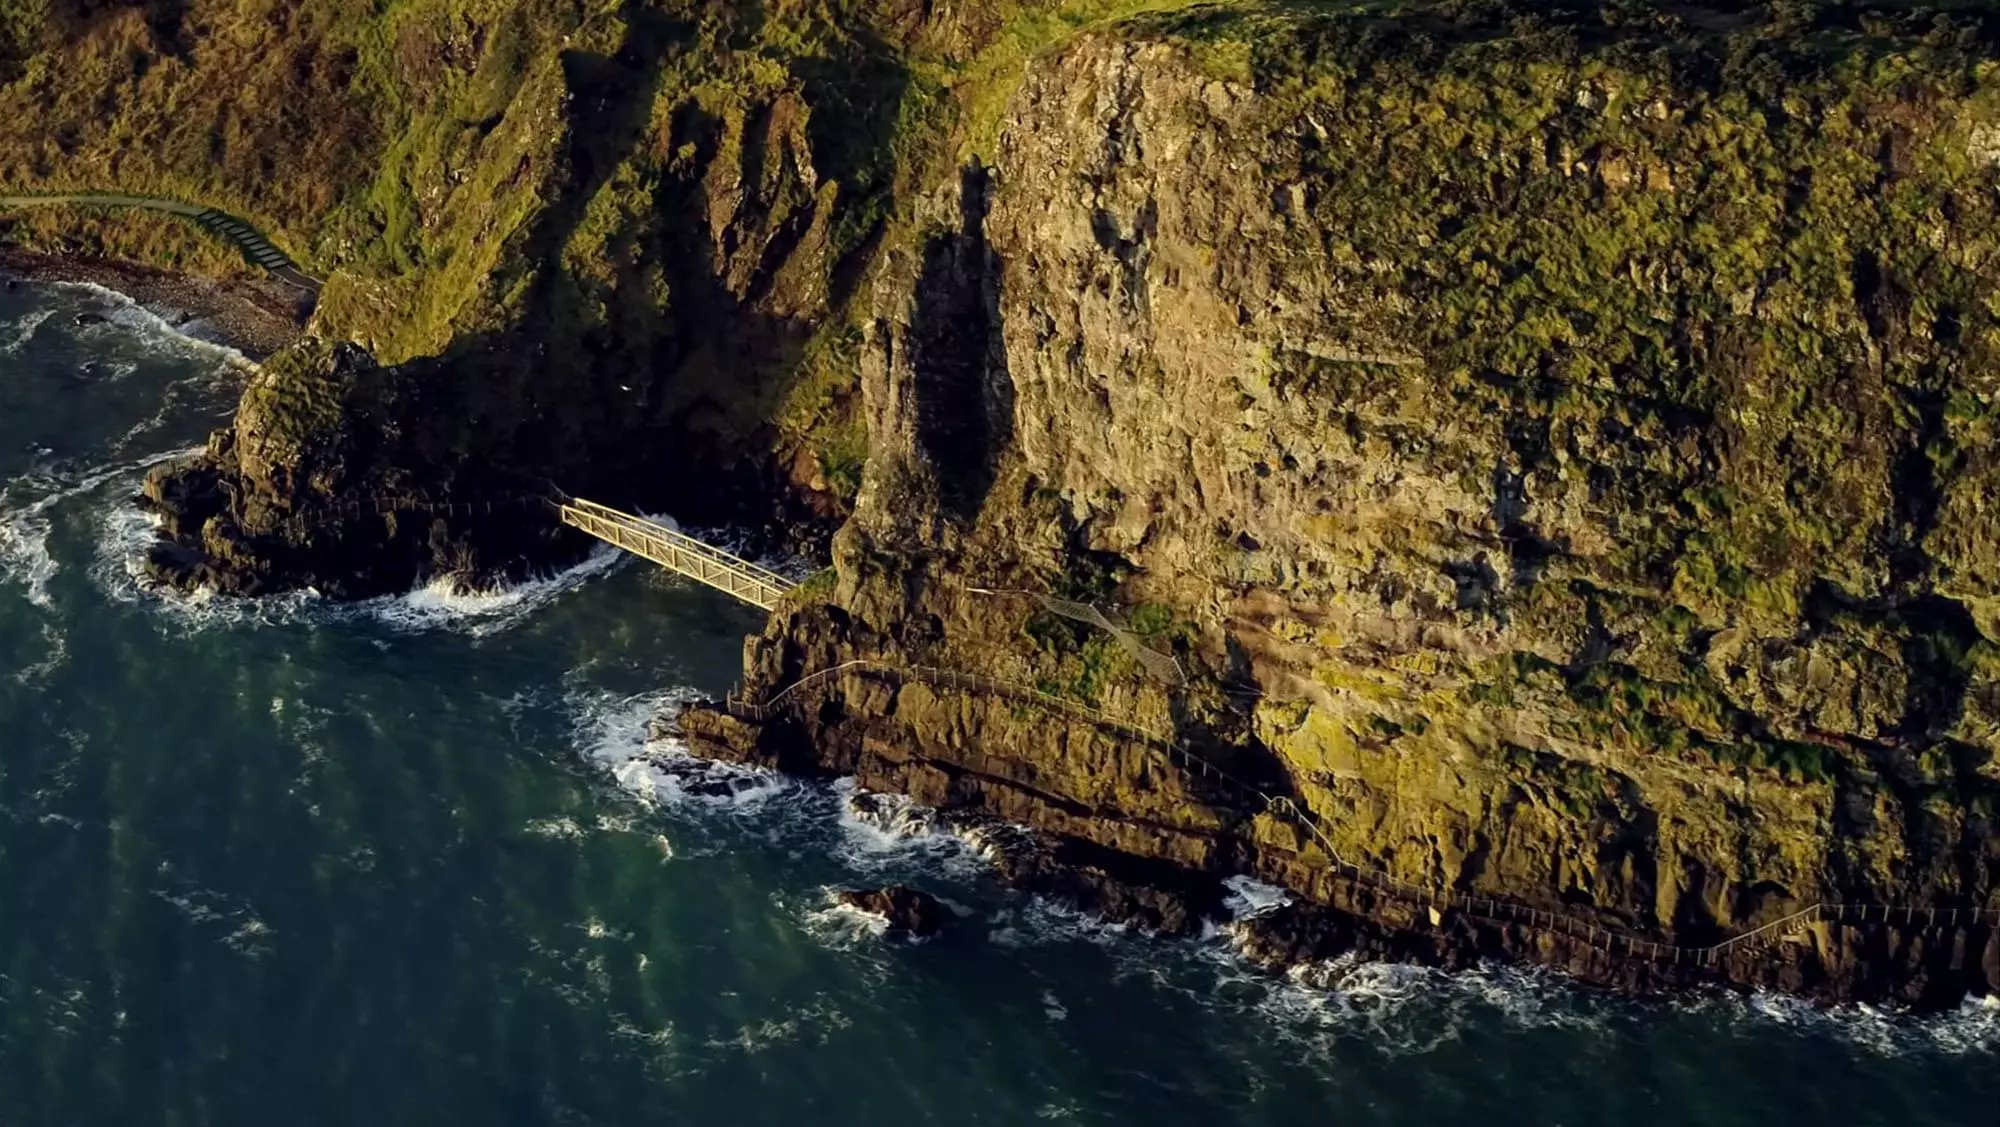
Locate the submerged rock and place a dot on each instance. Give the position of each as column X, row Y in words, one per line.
column 909, row 911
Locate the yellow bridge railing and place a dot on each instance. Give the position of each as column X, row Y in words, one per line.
column 759, row 586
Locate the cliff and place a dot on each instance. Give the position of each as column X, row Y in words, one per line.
column 1559, row 464
column 1554, row 442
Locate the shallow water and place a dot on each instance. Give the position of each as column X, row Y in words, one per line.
column 414, row 861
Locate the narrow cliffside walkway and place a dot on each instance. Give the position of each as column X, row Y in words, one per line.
column 256, row 249
column 1257, row 800
column 670, row 548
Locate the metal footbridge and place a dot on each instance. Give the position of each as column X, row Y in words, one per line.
column 674, row 550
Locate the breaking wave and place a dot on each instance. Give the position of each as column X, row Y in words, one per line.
column 1971, row 1029
column 124, row 316
column 890, row 837
column 616, row 734
column 19, row 333
column 128, row 531
column 25, row 527
column 443, row 605
column 1395, row 1009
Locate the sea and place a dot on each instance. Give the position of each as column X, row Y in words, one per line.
column 419, row 860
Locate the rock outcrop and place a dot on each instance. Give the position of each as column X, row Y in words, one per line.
column 1557, row 508
column 1553, row 442
column 909, row 912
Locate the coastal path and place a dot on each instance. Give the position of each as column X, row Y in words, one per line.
column 766, row 590
column 1792, row 927
column 257, row 249
column 659, row 542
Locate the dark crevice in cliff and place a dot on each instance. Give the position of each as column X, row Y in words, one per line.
column 1937, row 638
column 964, row 393
column 1917, row 489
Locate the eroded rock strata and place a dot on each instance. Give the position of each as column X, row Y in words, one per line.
column 1501, row 514
column 1555, row 441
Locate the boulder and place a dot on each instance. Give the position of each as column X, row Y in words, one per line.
column 908, row 911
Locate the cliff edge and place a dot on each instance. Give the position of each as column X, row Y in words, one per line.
column 1553, row 442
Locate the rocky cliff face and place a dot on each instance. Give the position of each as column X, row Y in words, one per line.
column 1559, row 468
column 1554, row 441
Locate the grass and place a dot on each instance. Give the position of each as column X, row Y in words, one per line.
column 158, row 239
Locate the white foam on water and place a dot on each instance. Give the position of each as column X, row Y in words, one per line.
column 1052, row 1007
column 884, row 833
column 844, row 926
column 23, row 331
column 128, row 532
column 737, row 542
column 237, row 925
column 595, row 928
column 562, row 829
column 1036, row 921
column 128, row 317
column 1396, row 1008
column 24, row 553
column 25, row 527
column 1973, row 1029
column 443, row 604
column 55, row 654
column 810, row 1024
column 615, row 733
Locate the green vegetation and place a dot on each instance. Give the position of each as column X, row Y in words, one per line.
column 166, row 241
column 1691, row 258
column 1614, row 704
column 817, row 587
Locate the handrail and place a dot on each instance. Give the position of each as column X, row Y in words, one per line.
column 1284, row 806
column 385, row 505
column 255, row 247
column 682, row 540
column 759, row 586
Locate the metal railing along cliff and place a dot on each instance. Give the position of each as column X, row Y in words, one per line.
column 759, row 586
column 1608, row 940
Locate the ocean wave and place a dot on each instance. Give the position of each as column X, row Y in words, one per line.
column 19, row 333
column 235, row 923
column 1396, row 1009
column 883, row 836
column 54, row 655
column 25, row 526
column 127, row 533
column 443, row 604
column 128, row 317
column 615, row 734
column 1971, row 1029
column 843, row 926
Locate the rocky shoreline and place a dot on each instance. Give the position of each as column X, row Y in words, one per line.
column 1054, row 845
column 256, row 317
column 1572, row 482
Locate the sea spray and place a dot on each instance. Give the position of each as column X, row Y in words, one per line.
column 616, row 735
column 152, row 328
column 1394, row 1010
column 127, row 532
column 26, row 505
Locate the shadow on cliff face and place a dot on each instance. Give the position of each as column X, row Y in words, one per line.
column 963, row 391
column 643, row 383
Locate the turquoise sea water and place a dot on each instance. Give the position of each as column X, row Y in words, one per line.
column 415, row 862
